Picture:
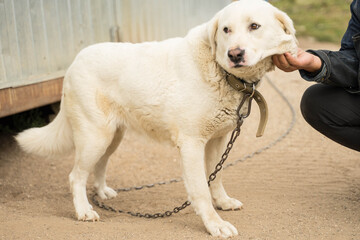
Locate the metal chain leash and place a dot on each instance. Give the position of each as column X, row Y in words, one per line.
column 137, row 214
column 219, row 166
column 277, row 140
column 235, row 133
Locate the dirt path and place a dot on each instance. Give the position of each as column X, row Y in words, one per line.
column 305, row 187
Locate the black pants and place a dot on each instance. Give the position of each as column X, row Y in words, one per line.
column 333, row 112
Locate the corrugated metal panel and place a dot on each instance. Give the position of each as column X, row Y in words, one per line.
column 40, row 38
column 141, row 20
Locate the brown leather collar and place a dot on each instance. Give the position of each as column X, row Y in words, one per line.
column 239, row 84
column 250, row 88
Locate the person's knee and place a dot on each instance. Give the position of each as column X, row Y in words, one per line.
column 311, row 104
column 333, row 112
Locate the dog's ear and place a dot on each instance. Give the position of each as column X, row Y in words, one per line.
column 288, row 26
column 285, row 22
column 212, row 27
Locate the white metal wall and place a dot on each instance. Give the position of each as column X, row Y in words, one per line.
column 142, row 20
column 40, row 38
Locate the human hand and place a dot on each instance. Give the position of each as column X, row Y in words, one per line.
column 304, row 60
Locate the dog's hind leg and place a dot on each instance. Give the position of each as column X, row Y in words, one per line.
column 192, row 152
column 91, row 144
column 102, row 189
column 213, row 152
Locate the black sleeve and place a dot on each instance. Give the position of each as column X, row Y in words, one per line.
column 341, row 68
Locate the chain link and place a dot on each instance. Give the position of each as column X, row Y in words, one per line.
column 235, row 133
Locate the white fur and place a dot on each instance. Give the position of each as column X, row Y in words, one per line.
column 173, row 91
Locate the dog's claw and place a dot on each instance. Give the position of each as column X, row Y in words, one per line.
column 106, row 193
column 88, row 216
column 222, row 229
column 227, row 204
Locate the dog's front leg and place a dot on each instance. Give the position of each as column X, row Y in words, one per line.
column 192, row 153
column 213, row 153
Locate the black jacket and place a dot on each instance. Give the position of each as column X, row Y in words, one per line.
column 341, row 68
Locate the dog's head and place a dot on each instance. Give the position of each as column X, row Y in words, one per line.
column 248, row 31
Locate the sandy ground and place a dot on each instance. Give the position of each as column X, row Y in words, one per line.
column 304, row 187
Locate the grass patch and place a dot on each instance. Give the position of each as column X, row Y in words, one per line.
column 325, row 20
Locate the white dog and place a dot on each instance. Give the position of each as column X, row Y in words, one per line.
column 173, row 91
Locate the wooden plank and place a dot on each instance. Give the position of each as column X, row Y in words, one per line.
column 15, row 100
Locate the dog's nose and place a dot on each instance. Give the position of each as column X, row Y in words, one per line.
column 236, row 55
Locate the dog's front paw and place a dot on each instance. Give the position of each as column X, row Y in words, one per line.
column 221, row 229
column 228, row 204
column 87, row 214
column 106, row 193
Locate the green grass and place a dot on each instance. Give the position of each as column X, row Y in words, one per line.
column 325, row 20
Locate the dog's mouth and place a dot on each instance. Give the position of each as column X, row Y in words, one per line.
column 238, row 65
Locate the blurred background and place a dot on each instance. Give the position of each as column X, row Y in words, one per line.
column 40, row 38
column 324, row 20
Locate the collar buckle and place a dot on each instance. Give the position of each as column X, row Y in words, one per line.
column 250, row 93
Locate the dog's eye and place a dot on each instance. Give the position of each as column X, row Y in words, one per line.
column 226, row 30
column 254, row 26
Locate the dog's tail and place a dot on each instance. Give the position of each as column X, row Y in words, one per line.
column 53, row 139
